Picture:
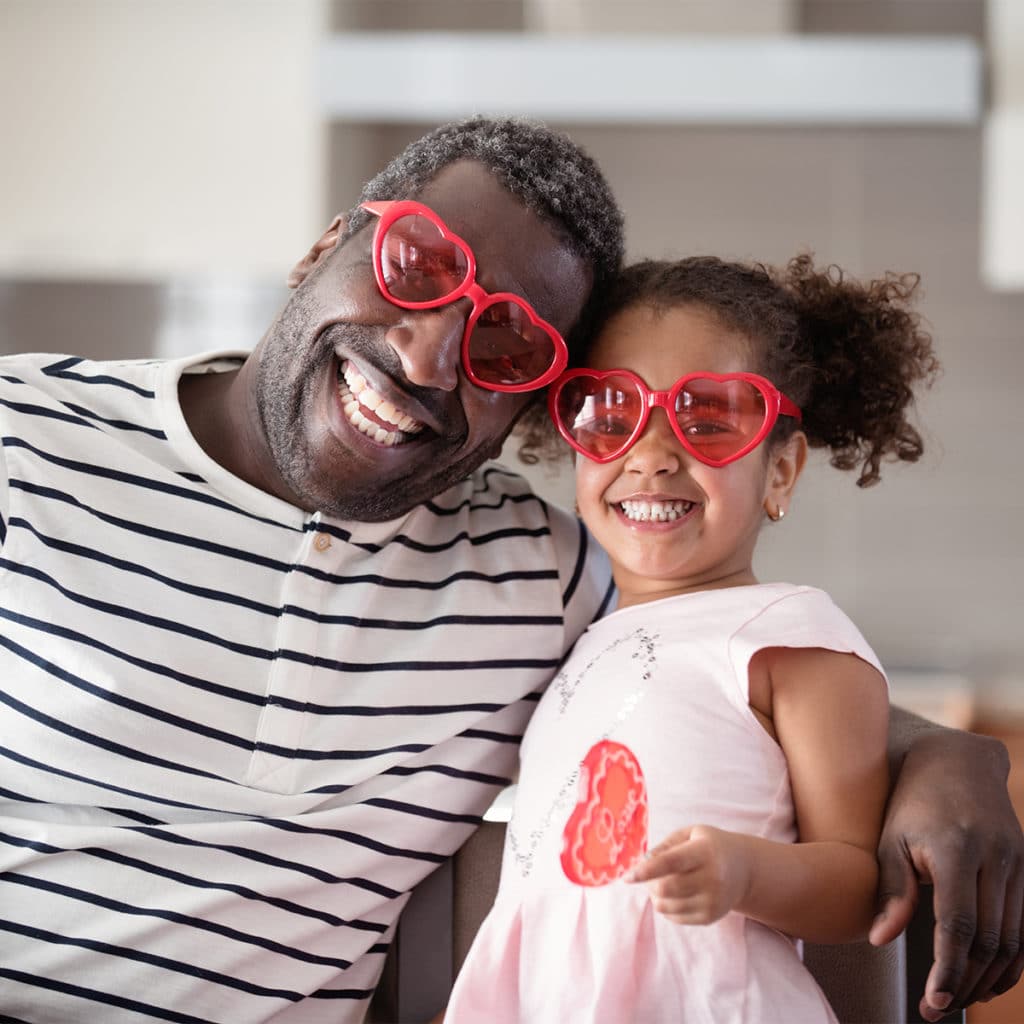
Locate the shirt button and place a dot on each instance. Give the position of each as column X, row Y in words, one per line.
column 322, row 542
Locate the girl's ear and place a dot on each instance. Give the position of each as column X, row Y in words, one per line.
column 325, row 243
column 785, row 464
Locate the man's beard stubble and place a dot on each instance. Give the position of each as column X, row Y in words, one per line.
column 286, row 390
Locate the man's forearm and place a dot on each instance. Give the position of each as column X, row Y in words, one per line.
column 907, row 730
column 904, row 728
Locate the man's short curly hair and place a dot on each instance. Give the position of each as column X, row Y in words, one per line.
column 549, row 172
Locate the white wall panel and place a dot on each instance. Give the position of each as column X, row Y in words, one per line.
column 145, row 138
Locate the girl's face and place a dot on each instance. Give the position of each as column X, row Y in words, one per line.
column 628, row 504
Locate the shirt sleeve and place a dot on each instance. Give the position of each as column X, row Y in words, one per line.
column 4, row 497
column 583, row 570
column 807, row 617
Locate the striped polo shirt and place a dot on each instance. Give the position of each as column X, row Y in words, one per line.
column 233, row 735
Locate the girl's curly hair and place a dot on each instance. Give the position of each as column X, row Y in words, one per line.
column 850, row 354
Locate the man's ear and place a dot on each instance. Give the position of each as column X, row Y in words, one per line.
column 785, row 464
column 325, row 243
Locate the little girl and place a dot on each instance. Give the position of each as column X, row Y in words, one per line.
column 735, row 731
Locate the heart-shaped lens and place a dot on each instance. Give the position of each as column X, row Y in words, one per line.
column 599, row 413
column 719, row 418
column 418, row 263
column 507, row 347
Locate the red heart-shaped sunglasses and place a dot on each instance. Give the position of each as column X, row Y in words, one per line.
column 420, row 263
column 717, row 417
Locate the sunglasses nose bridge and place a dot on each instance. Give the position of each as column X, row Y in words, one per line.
column 660, row 398
column 656, row 400
column 655, row 448
column 477, row 298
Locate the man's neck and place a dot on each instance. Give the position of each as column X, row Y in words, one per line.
column 221, row 414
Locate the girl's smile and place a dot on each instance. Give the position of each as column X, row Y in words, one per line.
column 669, row 522
column 655, row 511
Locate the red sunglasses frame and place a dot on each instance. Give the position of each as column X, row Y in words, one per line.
column 775, row 404
column 390, row 211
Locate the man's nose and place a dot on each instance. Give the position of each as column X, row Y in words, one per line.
column 429, row 344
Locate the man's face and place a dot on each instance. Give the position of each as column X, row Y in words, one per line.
column 365, row 406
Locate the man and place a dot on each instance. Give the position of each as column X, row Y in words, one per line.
column 270, row 634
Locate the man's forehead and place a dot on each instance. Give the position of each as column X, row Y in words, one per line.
column 467, row 195
column 507, row 237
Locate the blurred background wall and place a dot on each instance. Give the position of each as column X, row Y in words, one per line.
column 160, row 163
column 164, row 162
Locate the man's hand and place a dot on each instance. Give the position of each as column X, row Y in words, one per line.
column 949, row 823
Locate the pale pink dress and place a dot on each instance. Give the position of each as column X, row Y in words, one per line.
column 669, row 680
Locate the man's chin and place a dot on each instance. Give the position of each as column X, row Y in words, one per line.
column 369, row 496
column 368, row 509
column 384, row 500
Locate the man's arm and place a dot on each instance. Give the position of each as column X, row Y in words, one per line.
column 950, row 823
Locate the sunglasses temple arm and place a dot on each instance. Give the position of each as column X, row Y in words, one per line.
column 789, row 408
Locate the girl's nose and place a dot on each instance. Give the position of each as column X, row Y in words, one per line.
column 657, row 449
column 428, row 342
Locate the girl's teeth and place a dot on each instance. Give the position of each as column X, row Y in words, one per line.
column 655, row 511
column 358, row 399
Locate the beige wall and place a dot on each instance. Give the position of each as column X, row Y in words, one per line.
column 929, row 562
column 1003, row 208
column 142, row 138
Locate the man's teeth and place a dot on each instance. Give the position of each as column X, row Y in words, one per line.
column 371, row 414
column 655, row 511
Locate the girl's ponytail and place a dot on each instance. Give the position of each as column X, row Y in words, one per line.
column 862, row 351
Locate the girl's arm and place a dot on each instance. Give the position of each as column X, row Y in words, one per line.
column 829, row 713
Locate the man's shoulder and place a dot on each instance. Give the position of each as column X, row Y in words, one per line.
column 66, row 366
column 104, row 385
column 53, row 371
column 571, row 546
column 495, row 491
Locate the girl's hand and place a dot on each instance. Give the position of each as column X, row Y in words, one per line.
column 697, row 875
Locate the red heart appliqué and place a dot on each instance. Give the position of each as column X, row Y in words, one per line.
column 607, row 831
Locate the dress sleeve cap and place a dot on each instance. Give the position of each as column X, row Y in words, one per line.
column 806, row 617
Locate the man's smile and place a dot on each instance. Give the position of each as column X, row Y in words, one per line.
column 369, row 412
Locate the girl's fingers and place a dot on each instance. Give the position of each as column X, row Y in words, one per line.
column 664, row 860
column 696, row 909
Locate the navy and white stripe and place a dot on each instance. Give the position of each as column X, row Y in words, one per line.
column 234, row 736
